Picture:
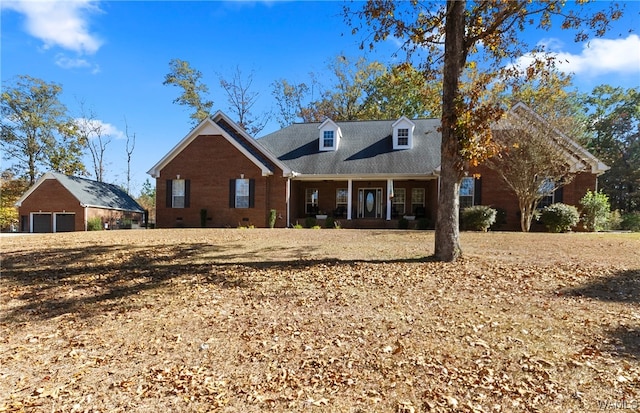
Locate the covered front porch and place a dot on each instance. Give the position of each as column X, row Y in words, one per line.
column 363, row 202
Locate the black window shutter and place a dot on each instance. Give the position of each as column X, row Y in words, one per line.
column 252, row 193
column 187, row 193
column 557, row 196
column 477, row 191
column 169, row 193
column 232, row 193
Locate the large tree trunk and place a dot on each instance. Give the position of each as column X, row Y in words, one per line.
column 447, row 237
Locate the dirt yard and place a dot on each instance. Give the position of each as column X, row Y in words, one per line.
column 318, row 321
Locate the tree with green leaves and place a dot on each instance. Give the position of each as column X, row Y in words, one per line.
column 402, row 90
column 360, row 90
column 614, row 126
column 12, row 188
column 183, row 76
column 36, row 131
column 459, row 35
column 147, row 199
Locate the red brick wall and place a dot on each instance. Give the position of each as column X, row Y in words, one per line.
column 209, row 162
column 497, row 194
column 51, row 196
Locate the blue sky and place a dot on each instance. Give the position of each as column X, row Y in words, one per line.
column 113, row 56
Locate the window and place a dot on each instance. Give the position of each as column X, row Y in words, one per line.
column 177, row 193
column 398, row 201
column 327, row 141
column 467, row 190
column 403, row 130
column 342, row 197
column 311, row 201
column 242, row 193
column 417, row 201
column 547, row 190
column 403, row 137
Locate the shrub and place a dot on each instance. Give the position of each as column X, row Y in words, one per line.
column 316, row 227
column 403, row 223
column 310, row 222
column 94, row 224
column 298, row 226
column 614, row 221
column 595, row 210
column 631, row 221
column 423, row 223
column 203, row 218
column 560, row 217
column 478, row 217
column 273, row 215
column 329, row 222
column 501, row 219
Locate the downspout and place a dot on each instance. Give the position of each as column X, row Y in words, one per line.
column 86, row 219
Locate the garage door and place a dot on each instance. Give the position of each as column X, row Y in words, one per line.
column 42, row 223
column 65, row 222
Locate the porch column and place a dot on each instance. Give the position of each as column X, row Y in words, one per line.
column 389, row 197
column 349, row 198
column 287, row 201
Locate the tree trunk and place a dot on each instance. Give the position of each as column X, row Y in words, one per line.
column 526, row 215
column 447, row 237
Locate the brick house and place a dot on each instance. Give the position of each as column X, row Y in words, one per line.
column 61, row 203
column 366, row 174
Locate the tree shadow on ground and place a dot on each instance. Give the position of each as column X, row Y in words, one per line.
column 626, row 341
column 88, row 281
column 622, row 286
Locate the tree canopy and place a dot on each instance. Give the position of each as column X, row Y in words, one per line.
column 183, row 76
column 614, row 126
column 36, row 129
column 459, row 35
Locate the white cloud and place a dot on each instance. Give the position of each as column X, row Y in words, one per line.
column 597, row 57
column 62, row 23
column 66, row 62
column 92, row 126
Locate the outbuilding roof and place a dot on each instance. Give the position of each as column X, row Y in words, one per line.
column 90, row 193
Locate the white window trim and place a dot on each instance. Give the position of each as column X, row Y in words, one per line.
column 472, row 196
column 175, row 195
column 326, row 126
column 242, row 183
column 403, row 123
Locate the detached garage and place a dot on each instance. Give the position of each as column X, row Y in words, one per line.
column 61, row 203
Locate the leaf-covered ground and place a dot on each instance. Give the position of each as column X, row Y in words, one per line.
column 318, row 320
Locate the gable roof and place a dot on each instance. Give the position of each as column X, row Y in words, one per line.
column 366, row 148
column 578, row 157
column 221, row 124
column 89, row 193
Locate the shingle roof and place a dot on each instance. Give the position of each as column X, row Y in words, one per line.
column 97, row 194
column 366, row 147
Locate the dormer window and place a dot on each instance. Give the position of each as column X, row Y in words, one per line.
column 403, row 137
column 329, row 137
column 403, row 133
